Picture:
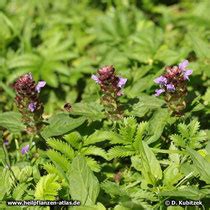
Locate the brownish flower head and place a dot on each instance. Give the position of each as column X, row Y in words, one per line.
column 25, row 85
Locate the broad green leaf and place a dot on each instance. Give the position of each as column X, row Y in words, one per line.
column 11, row 121
column 83, row 184
column 150, row 162
column 157, row 124
column 92, row 111
column 145, row 104
column 189, row 192
column 202, row 165
column 172, row 175
column 60, row 124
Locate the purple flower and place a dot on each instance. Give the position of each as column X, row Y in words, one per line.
column 161, row 80
column 187, row 73
column 183, row 65
column 159, row 91
column 32, row 106
column 95, row 78
column 170, row 87
column 40, row 85
column 121, row 82
column 25, row 149
column 6, row 142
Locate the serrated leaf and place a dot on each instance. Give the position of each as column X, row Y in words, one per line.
column 11, row 121
column 120, row 151
column 145, row 104
column 47, row 187
column 61, row 146
column 202, row 165
column 157, row 124
column 93, row 150
column 84, row 185
column 59, row 159
column 60, row 124
column 92, row 111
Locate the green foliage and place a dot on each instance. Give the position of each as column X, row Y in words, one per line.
column 11, row 121
column 139, row 161
column 83, row 184
column 189, row 135
column 61, row 124
column 47, row 188
column 202, row 165
column 130, row 135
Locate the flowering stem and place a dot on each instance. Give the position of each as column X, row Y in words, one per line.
column 111, row 88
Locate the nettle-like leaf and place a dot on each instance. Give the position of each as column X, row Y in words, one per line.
column 189, row 135
column 60, row 124
column 83, row 184
column 47, row 188
column 91, row 111
column 129, row 198
column 190, row 192
column 145, row 104
column 98, row 136
column 74, row 139
column 11, row 121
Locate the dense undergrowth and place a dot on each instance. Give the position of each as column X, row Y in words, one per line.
column 73, row 127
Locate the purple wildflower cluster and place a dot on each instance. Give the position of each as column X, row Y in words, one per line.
column 108, row 81
column 173, row 85
column 111, row 87
column 27, row 100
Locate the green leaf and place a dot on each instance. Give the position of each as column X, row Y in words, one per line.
column 84, row 185
column 60, row 124
column 150, row 167
column 92, row 111
column 199, row 45
column 19, row 191
column 202, row 165
column 59, row 159
column 47, row 188
column 120, row 151
column 93, row 150
column 157, row 124
column 190, row 192
column 97, row 136
column 74, row 139
column 62, row 147
column 145, row 104
column 11, row 121
column 172, row 175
